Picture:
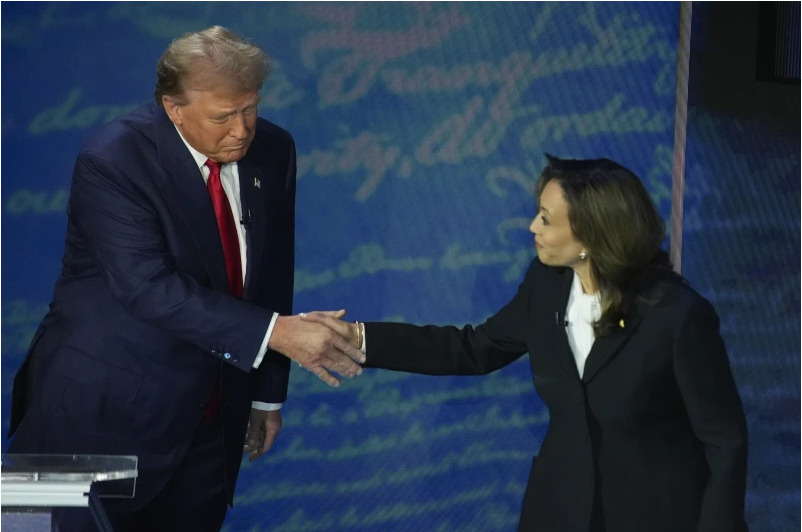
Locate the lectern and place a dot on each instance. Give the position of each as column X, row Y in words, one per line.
column 34, row 484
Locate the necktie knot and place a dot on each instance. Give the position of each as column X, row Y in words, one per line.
column 214, row 166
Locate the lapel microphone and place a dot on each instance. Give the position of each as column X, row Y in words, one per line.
column 247, row 219
column 560, row 320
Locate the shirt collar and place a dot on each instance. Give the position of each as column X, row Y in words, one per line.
column 578, row 292
column 200, row 159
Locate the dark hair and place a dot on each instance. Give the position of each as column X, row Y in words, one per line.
column 612, row 214
column 212, row 53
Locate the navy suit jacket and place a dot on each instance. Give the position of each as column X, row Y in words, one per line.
column 141, row 326
column 651, row 438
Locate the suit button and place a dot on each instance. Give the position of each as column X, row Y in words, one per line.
column 214, row 351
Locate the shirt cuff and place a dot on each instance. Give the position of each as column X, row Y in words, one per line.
column 258, row 405
column 263, row 348
column 364, row 347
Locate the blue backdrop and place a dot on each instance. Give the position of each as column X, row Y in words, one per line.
column 420, row 131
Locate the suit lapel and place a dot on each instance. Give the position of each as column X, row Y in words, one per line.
column 253, row 186
column 552, row 318
column 183, row 186
column 606, row 347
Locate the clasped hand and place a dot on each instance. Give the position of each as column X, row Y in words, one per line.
column 317, row 346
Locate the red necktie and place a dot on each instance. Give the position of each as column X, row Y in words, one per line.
column 228, row 228
column 228, row 237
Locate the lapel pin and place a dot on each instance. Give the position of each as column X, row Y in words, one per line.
column 257, row 183
column 621, row 323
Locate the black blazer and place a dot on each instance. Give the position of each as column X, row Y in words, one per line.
column 651, row 439
column 141, row 325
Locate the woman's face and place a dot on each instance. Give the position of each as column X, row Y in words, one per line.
column 554, row 240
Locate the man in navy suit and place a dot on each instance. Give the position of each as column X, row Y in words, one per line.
column 170, row 332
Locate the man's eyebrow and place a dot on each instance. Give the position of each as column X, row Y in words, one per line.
column 226, row 112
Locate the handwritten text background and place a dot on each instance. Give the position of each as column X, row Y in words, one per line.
column 421, row 129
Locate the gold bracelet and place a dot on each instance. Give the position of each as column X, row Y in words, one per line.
column 358, row 335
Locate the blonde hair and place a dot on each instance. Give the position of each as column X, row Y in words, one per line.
column 214, row 54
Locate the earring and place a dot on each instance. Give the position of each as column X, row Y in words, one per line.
column 583, row 256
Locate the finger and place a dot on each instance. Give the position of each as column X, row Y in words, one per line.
column 272, row 426
column 325, row 376
column 256, row 451
column 254, row 437
column 348, row 348
column 338, row 362
column 316, row 317
column 255, row 444
column 331, row 313
column 252, row 446
column 343, row 328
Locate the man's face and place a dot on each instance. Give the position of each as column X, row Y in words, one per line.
column 218, row 121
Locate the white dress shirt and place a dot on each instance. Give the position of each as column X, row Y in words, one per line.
column 580, row 313
column 229, row 177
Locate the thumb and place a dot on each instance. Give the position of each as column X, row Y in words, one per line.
column 333, row 313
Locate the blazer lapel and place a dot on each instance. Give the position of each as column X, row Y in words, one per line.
column 184, row 186
column 606, row 347
column 253, row 186
column 552, row 318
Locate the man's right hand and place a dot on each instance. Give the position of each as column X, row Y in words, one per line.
column 316, row 347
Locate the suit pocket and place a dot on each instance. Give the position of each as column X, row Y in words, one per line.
column 115, row 382
column 79, row 387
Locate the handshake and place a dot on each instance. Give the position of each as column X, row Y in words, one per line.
column 320, row 342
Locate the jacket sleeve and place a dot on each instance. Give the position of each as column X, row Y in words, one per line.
column 448, row 350
column 121, row 231
column 716, row 414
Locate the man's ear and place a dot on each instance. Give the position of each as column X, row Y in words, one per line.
column 173, row 109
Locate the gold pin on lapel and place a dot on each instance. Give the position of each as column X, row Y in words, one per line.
column 621, row 323
column 257, row 183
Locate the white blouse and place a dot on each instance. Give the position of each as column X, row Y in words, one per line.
column 582, row 310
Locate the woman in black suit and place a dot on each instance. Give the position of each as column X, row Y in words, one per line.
column 647, row 430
